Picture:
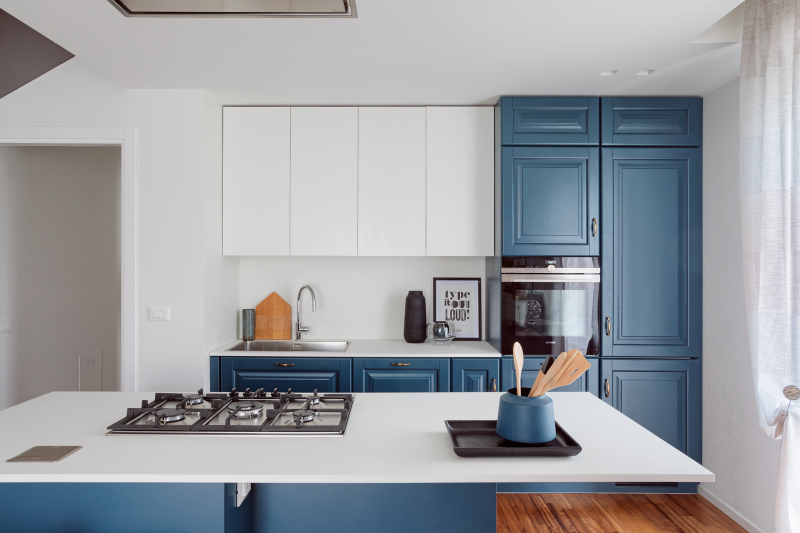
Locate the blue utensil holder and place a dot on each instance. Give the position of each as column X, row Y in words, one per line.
column 523, row 419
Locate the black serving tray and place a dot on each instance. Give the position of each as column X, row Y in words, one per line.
column 478, row 438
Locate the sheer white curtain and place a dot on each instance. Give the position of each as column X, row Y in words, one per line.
column 770, row 201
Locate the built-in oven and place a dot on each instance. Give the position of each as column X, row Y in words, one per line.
column 550, row 304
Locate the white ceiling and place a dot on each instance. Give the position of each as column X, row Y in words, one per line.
column 404, row 51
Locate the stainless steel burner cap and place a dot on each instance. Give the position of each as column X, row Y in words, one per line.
column 170, row 415
column 313, row 400
column 192, row 399
column 246, row 410
column 304, row 415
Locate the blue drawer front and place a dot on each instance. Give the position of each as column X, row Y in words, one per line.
column 401, row 375
column 652, row 121
column 297, row 373
column 550, row 121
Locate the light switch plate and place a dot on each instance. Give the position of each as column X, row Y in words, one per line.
column 5, row 326
column 90, row 377
column 159, row 313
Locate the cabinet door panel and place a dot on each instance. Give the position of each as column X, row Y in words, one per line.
column 304, row 374
column 475, row 375
column 652, row 121
column 324, row 181
column 651, row 286
column 401, row 375
column 255, row 172
column 561, row 120
column 588, row 382
column 663, row 396
column 550, row 201
column 391, row 181
column 460, row 181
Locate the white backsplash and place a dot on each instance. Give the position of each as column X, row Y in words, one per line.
column 357, row 297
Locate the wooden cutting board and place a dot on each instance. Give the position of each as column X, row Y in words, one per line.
column 273, row 319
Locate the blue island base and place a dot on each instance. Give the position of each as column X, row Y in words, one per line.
column 211, row 508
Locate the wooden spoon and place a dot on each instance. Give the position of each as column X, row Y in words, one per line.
column 519, row 360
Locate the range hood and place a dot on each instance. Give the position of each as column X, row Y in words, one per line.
column 236, row 8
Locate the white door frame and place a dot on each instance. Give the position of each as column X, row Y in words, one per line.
column 126, row 139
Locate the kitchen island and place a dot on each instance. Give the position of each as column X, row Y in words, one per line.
column 393, row 470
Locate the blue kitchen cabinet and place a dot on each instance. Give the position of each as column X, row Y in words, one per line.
column 401, row 375
column 550, row 201
column 651, row 252
column 588, row 382
column 550, row 120
column 301, row 374
column 475, row 375
column 652, row 121
column 123, row 507
column 661, row 395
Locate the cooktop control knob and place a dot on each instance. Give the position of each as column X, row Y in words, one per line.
column 275, row 393
column 234, row 393
column 551, row 268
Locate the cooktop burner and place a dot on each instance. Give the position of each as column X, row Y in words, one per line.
column 239, row 413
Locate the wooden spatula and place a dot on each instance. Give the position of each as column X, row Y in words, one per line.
column 519, row 361
column 573, row 371
column 555, row 372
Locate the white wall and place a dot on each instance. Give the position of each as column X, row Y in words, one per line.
column 739, row 453
column 172, row 188
column 357, row 297
column 59, row 267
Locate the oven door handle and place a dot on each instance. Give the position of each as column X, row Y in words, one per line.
column 550, row 278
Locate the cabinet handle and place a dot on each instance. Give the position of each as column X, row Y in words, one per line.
column 284, row 364
column 608, row 389
column 594, row 227
column 401, row 364
column 608, row 326
column 494, row 385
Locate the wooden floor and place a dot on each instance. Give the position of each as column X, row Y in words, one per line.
column 610, row 513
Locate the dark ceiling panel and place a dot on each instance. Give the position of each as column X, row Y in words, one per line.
column 25, row 54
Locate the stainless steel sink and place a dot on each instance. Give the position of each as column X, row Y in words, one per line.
column 291, row 346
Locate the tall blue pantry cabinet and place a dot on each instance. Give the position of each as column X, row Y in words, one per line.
column 643, row 219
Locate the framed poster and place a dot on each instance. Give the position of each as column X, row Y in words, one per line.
column 458, row 300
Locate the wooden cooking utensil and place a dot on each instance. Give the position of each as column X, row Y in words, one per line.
column 519, row 361
column 548, row 362
column 559, row 367
column 549, row 373
column 576, row 368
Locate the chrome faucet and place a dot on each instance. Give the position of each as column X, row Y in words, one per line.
column 300, row 328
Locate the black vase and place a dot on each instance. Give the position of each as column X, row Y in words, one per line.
column 415, row 326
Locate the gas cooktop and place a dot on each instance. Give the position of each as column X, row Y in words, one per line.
column 239, row 413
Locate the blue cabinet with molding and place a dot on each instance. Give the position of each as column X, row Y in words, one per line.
column 550, row 201
column 664, row 396
column 652, row 121
column 401, row 375
column 651, row 252
column 475, row 375
column 301, row 374
column 537, row 120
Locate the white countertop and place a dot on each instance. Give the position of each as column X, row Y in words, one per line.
column 379, row 348
column 390, row 438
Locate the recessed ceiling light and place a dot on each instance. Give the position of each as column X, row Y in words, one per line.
column 645, row 72
column 608, row 72
column 236, row 8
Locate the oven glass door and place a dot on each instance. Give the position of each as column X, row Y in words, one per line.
column 551, row 317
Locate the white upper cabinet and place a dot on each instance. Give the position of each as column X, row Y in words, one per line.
column 256, row 181
column 460, row 181
column 324, row 178
column 391, row 181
